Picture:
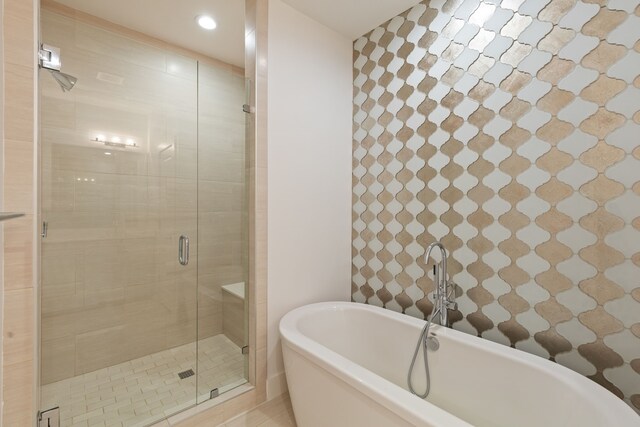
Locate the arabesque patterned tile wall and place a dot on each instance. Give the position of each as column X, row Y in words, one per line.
column 510, row 131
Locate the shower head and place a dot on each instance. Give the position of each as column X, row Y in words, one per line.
column 66, row 81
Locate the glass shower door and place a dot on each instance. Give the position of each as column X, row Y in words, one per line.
column 119, row 176
column 222, row 230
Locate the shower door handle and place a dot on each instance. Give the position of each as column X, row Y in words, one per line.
column 183, row 250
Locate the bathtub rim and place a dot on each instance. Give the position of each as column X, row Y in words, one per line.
column 399, row 398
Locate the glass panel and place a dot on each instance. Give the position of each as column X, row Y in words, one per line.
column 119, row 188
column 143, row 155
column 222, row 230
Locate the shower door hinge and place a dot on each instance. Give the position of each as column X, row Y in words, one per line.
column 49, row 57
column 247, row 108
column 49, row 418
column 245, row 349
column 45, row 228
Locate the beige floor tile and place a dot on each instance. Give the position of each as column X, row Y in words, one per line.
column 274, row 413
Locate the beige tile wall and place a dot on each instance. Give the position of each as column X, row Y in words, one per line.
column 18, row 189
column 112, row 289
column 508, row 130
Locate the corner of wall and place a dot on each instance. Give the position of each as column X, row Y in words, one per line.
column 276, row 385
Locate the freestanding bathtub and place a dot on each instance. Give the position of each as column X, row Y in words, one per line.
column 346, row 365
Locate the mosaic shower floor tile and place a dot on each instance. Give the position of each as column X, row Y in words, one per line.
column 141, row 391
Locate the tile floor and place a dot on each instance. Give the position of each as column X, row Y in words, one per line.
column 144, row 390
column 274, row 413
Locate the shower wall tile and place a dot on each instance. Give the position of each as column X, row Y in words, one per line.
column 18, row 314
column 61, row 359
column 18, row 393
column 97, row 349
column 18, row 235
column 509, row 132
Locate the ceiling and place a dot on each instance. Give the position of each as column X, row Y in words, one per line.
column 174, row 21
column 352, row 18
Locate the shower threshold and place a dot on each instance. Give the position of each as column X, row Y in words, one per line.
column 142, row 391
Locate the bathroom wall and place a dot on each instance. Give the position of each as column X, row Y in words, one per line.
column 508, row 130
column 19, row 186
column 112, row 289
column 309, row 195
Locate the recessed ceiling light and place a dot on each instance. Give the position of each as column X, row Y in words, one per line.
column 206, row 22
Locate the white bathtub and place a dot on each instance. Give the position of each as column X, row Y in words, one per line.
column 346, row 365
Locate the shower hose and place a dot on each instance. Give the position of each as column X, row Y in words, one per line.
column 422, row 342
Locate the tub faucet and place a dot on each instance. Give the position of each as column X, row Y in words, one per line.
column 442, row 302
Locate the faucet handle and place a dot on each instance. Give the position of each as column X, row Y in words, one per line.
column 451, row 287
column 449, row 303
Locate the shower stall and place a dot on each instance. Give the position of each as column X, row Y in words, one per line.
column 144, row 250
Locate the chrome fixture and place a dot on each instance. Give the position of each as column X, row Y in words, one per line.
column 49, row 57
column 440, row 307
column 442, row 293
column 183, row 250
column 10, row 215
column 49, row 418
column 214, row 393
column 246, row 107
column 50, row 60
